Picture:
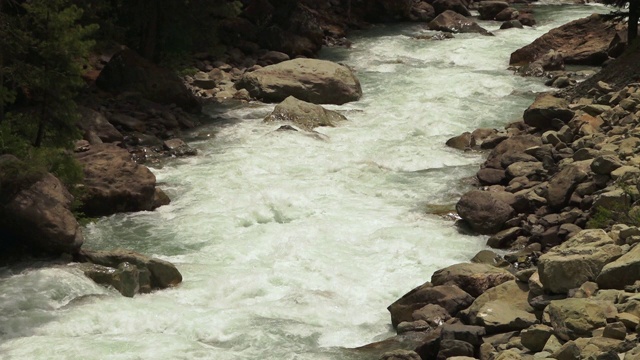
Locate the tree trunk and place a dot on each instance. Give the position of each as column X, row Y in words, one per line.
column 1, row 70
column 634, row 14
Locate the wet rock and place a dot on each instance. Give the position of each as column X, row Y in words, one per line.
column 314, row 81
column 303, row 114
column 177, row 147
column 511, row 24
column 453, row 22
column 570, row 39
column 474, row 279
column 461, row 142
column 162, row 273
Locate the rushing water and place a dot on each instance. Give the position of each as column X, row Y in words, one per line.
column 291, row 247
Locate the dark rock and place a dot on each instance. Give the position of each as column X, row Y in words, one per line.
column 450, row 348
column 490, row 9
column 37, row 214
column 456, row 6
column 582, row 42
column 453, row 22
column 129, row 72
column 511, row 24
column 489, row 176
column 114, row 183
column 544, row 109
column 451, row 298
column 472, row 278
column 483, row 211
column 467, row 333
column 163, row 274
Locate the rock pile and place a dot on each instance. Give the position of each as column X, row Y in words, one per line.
column 559, row 192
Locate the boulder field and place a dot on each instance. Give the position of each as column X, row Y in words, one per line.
column 558, row 194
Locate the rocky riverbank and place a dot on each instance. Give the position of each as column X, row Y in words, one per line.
column 558, row 193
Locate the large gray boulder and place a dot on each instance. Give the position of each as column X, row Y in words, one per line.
column 303, row 114
column 311, row 80
column 37, row 213
column 577, row 260
column 574, row 318
column 473, row 278
column 485, row 212
column 621, row 272
column 450, row 21
column 114, row 183
column 502, row 308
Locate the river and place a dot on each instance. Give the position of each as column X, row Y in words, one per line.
column 291, row 247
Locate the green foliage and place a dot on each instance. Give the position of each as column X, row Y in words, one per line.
column 623, row 212
column 16, row 175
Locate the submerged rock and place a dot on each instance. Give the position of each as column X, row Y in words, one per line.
column 162, row 274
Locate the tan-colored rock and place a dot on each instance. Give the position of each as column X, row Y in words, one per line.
column 575, row 318
column 577, row 260
column 311, row 80
column 621, row 272
column 303, row 114
column 502, row 308
column 475, row 279
column 544, row 109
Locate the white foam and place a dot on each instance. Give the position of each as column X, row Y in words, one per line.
column 291, row 246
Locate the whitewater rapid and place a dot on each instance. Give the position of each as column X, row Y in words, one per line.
column 291, row 247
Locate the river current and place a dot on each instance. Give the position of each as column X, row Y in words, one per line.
column 291, row 246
